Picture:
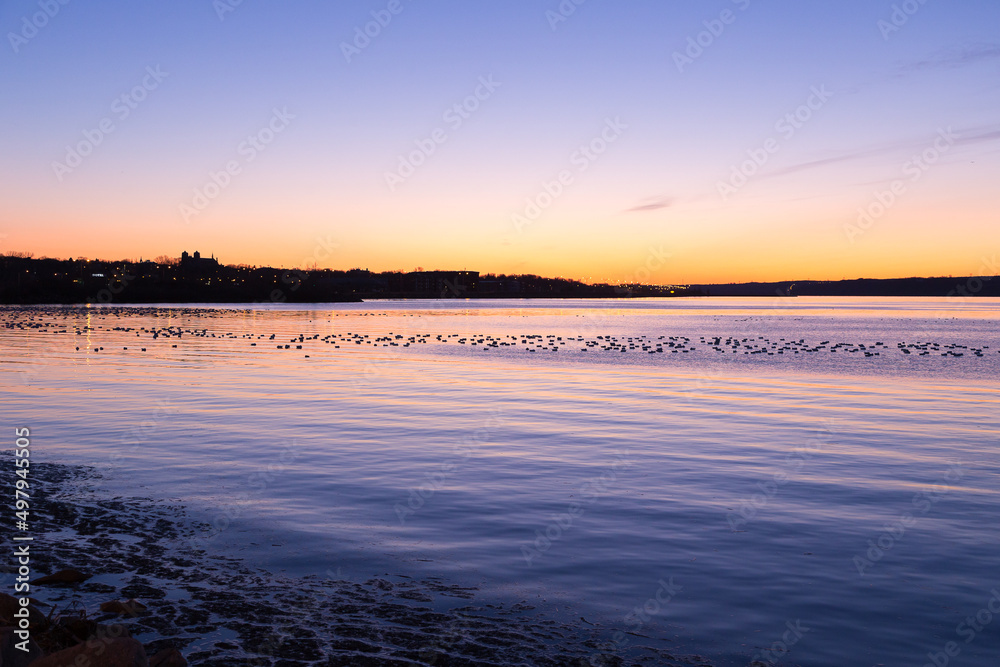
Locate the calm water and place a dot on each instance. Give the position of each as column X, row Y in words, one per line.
column 763, row 464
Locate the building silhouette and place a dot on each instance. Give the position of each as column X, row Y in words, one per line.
column 198, row 264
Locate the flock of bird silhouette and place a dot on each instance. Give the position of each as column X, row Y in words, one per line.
column 41, row 318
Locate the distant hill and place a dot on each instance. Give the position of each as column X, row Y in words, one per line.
column 196, row 279
column 946, row 287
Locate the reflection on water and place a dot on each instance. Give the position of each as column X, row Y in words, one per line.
column 720, row 473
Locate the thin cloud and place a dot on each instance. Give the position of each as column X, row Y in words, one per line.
column 952, row 58
column 948, row 58
column 978, row 138
column 813, row 164
column 965, row 137
column 653, row 205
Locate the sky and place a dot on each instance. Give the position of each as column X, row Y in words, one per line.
column 637, row 140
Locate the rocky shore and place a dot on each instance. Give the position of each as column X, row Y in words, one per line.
column 124, row 587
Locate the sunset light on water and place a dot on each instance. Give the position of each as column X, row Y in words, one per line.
column 465, row 334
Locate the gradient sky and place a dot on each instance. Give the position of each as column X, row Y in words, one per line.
column 648, row 208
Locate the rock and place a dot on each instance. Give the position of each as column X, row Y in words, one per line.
column 107, row 633
column 10, row 655
column 130, row 607
column 10, row 605
column 67, row 631
column 62, row 577
column 168, row 657
column 70, row 630
column 122, row 652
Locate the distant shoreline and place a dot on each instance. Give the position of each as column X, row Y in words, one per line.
column 195, row 279
column 878, row 287
column 224, row 304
